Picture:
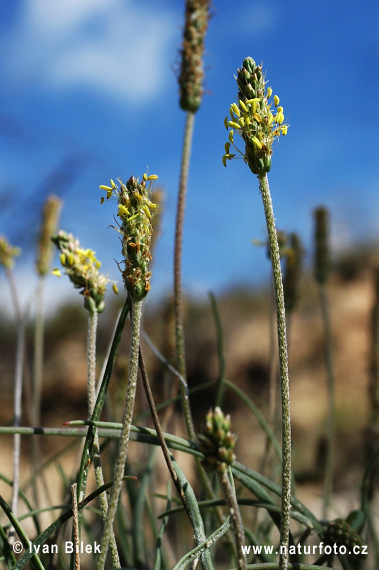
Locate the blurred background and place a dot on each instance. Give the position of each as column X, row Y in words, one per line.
column 88, row 92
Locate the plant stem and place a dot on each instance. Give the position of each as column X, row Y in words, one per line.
column 18, row 378
column 75, row 524
column 283, row 365
column 178, row 294
column 231, row 499
column 328, row 484
column 91, row 377
column 38, row 353
column 125, row 432
column 91, row 361
column 158, row 428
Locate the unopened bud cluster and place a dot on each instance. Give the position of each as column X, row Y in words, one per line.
column 82, row 268
column 252, row 118
column 217, row 442
column 135, row 210
column 7, row 253
column 341, row 533
column 191, row 71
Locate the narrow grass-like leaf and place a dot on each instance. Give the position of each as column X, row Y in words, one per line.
column 275, row 566
column 139, row 535
column 262, row 421
column 87, row 451
column 34, row 559
column 43, row 537
column 6, row 550
column 269, row 506
column 196, row 520
column 159, row 558
column 22, row 495
column 276, row 489
column 204, row 546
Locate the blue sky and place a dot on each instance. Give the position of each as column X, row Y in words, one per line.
column 88, row 91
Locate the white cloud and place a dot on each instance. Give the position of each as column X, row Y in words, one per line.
column 113, row 46
column 260, row 18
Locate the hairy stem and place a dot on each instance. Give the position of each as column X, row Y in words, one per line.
column 178, row 294
column 235, row 515
column 91, row 377
column 283, row 365
column 125, row 432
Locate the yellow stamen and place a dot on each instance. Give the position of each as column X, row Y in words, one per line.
column 236, row 109
column 123, row 210
column 243, row 106
column 257, row 142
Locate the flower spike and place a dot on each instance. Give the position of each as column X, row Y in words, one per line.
column 82, row 268
column 253, row 120
column 135, row 210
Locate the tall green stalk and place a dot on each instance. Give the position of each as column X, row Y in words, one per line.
column 283, row 365
column 190, row 96
column 178, row 293
column 135, row 212
column 253, row 119
column 125, row 432
column 91, row 392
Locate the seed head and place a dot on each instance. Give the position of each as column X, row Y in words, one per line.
column 191, row 73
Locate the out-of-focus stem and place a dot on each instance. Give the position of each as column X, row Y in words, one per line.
column 17, row 395
column 178, row 293
column 330, row 382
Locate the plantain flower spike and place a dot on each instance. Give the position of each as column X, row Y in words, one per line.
column 50, row 216
column 82, row 268
column 217, row 442
column 191, row 72
column 7, row 253
column 322, row 249
column 292, row 274
column 135, row 210
column 253, row 118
